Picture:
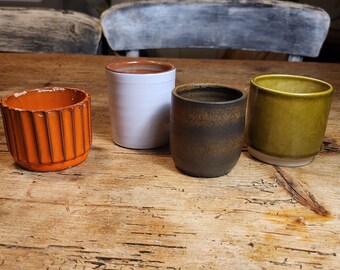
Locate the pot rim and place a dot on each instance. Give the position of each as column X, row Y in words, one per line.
column 202, row 85
column 169, row 67
column 4, row 100
column 325, row 92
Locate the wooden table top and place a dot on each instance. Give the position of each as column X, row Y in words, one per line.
column 129, row 209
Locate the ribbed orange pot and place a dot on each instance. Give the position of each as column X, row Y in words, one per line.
column 48, row 129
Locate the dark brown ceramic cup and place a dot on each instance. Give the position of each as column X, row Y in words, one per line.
column 206, row 128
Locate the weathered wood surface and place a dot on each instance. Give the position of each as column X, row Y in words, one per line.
column 48, row 30
column 126, row 209
column 261, row 25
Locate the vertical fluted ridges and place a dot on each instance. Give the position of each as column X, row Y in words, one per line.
column 45, row 140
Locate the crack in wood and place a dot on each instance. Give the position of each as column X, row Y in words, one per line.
column 145, row 252
column 276, row 233
column 235, row 211
column 264, row 186
column 151, row 266
column 135, row 224
column 86, row 251
column 264, row 202
column 97, row 264
column 108, row 259
column 124, row 261
column 308, row 251
column 299, row 192
column 285, row 263
column 158, row 234
column 19, row 246
column 153, row 245
column 17, row 172
column 186, row 233
column 311, row 263
column 65, row 246
column 41, row 248
column 330, row 145
column 70, row 174
column 100, row 206
column 171, row 188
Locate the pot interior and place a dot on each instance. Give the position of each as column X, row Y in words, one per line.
column 140, row 67
column 291, row 84
column 208, row 93
column 45, row 99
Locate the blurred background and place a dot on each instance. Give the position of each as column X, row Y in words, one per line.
column 329, row 53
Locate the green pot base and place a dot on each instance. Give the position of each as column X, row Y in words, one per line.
column 286, row 162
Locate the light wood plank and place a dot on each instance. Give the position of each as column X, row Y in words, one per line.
column 128, row 209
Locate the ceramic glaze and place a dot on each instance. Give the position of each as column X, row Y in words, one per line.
column 48, row 129
column 139, row 67
column 206, row 128
column 287, row 118
column 139, row 102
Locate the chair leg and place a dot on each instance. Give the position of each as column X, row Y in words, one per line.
column 132, row 53
column 295, row 58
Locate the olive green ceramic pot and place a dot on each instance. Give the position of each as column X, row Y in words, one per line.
column 206, row 128
column 286, row 118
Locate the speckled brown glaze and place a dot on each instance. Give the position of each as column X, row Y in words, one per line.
column 206, row 128
column 48, row 129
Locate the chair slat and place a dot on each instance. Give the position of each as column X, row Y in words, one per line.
column 260, row 25
column 48, row 30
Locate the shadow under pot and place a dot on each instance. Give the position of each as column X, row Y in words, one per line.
column 48, row 129
column 206, row 128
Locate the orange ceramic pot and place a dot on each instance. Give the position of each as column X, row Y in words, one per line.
column 48, row 129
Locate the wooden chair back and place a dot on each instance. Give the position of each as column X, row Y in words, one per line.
column 48, row 31
column 298, row 30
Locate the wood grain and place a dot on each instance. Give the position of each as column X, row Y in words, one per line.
column 261, row 25
column 127, row 209
column 299, row 192
column 48, row 30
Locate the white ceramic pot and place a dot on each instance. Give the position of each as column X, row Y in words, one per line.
column 139, row 95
